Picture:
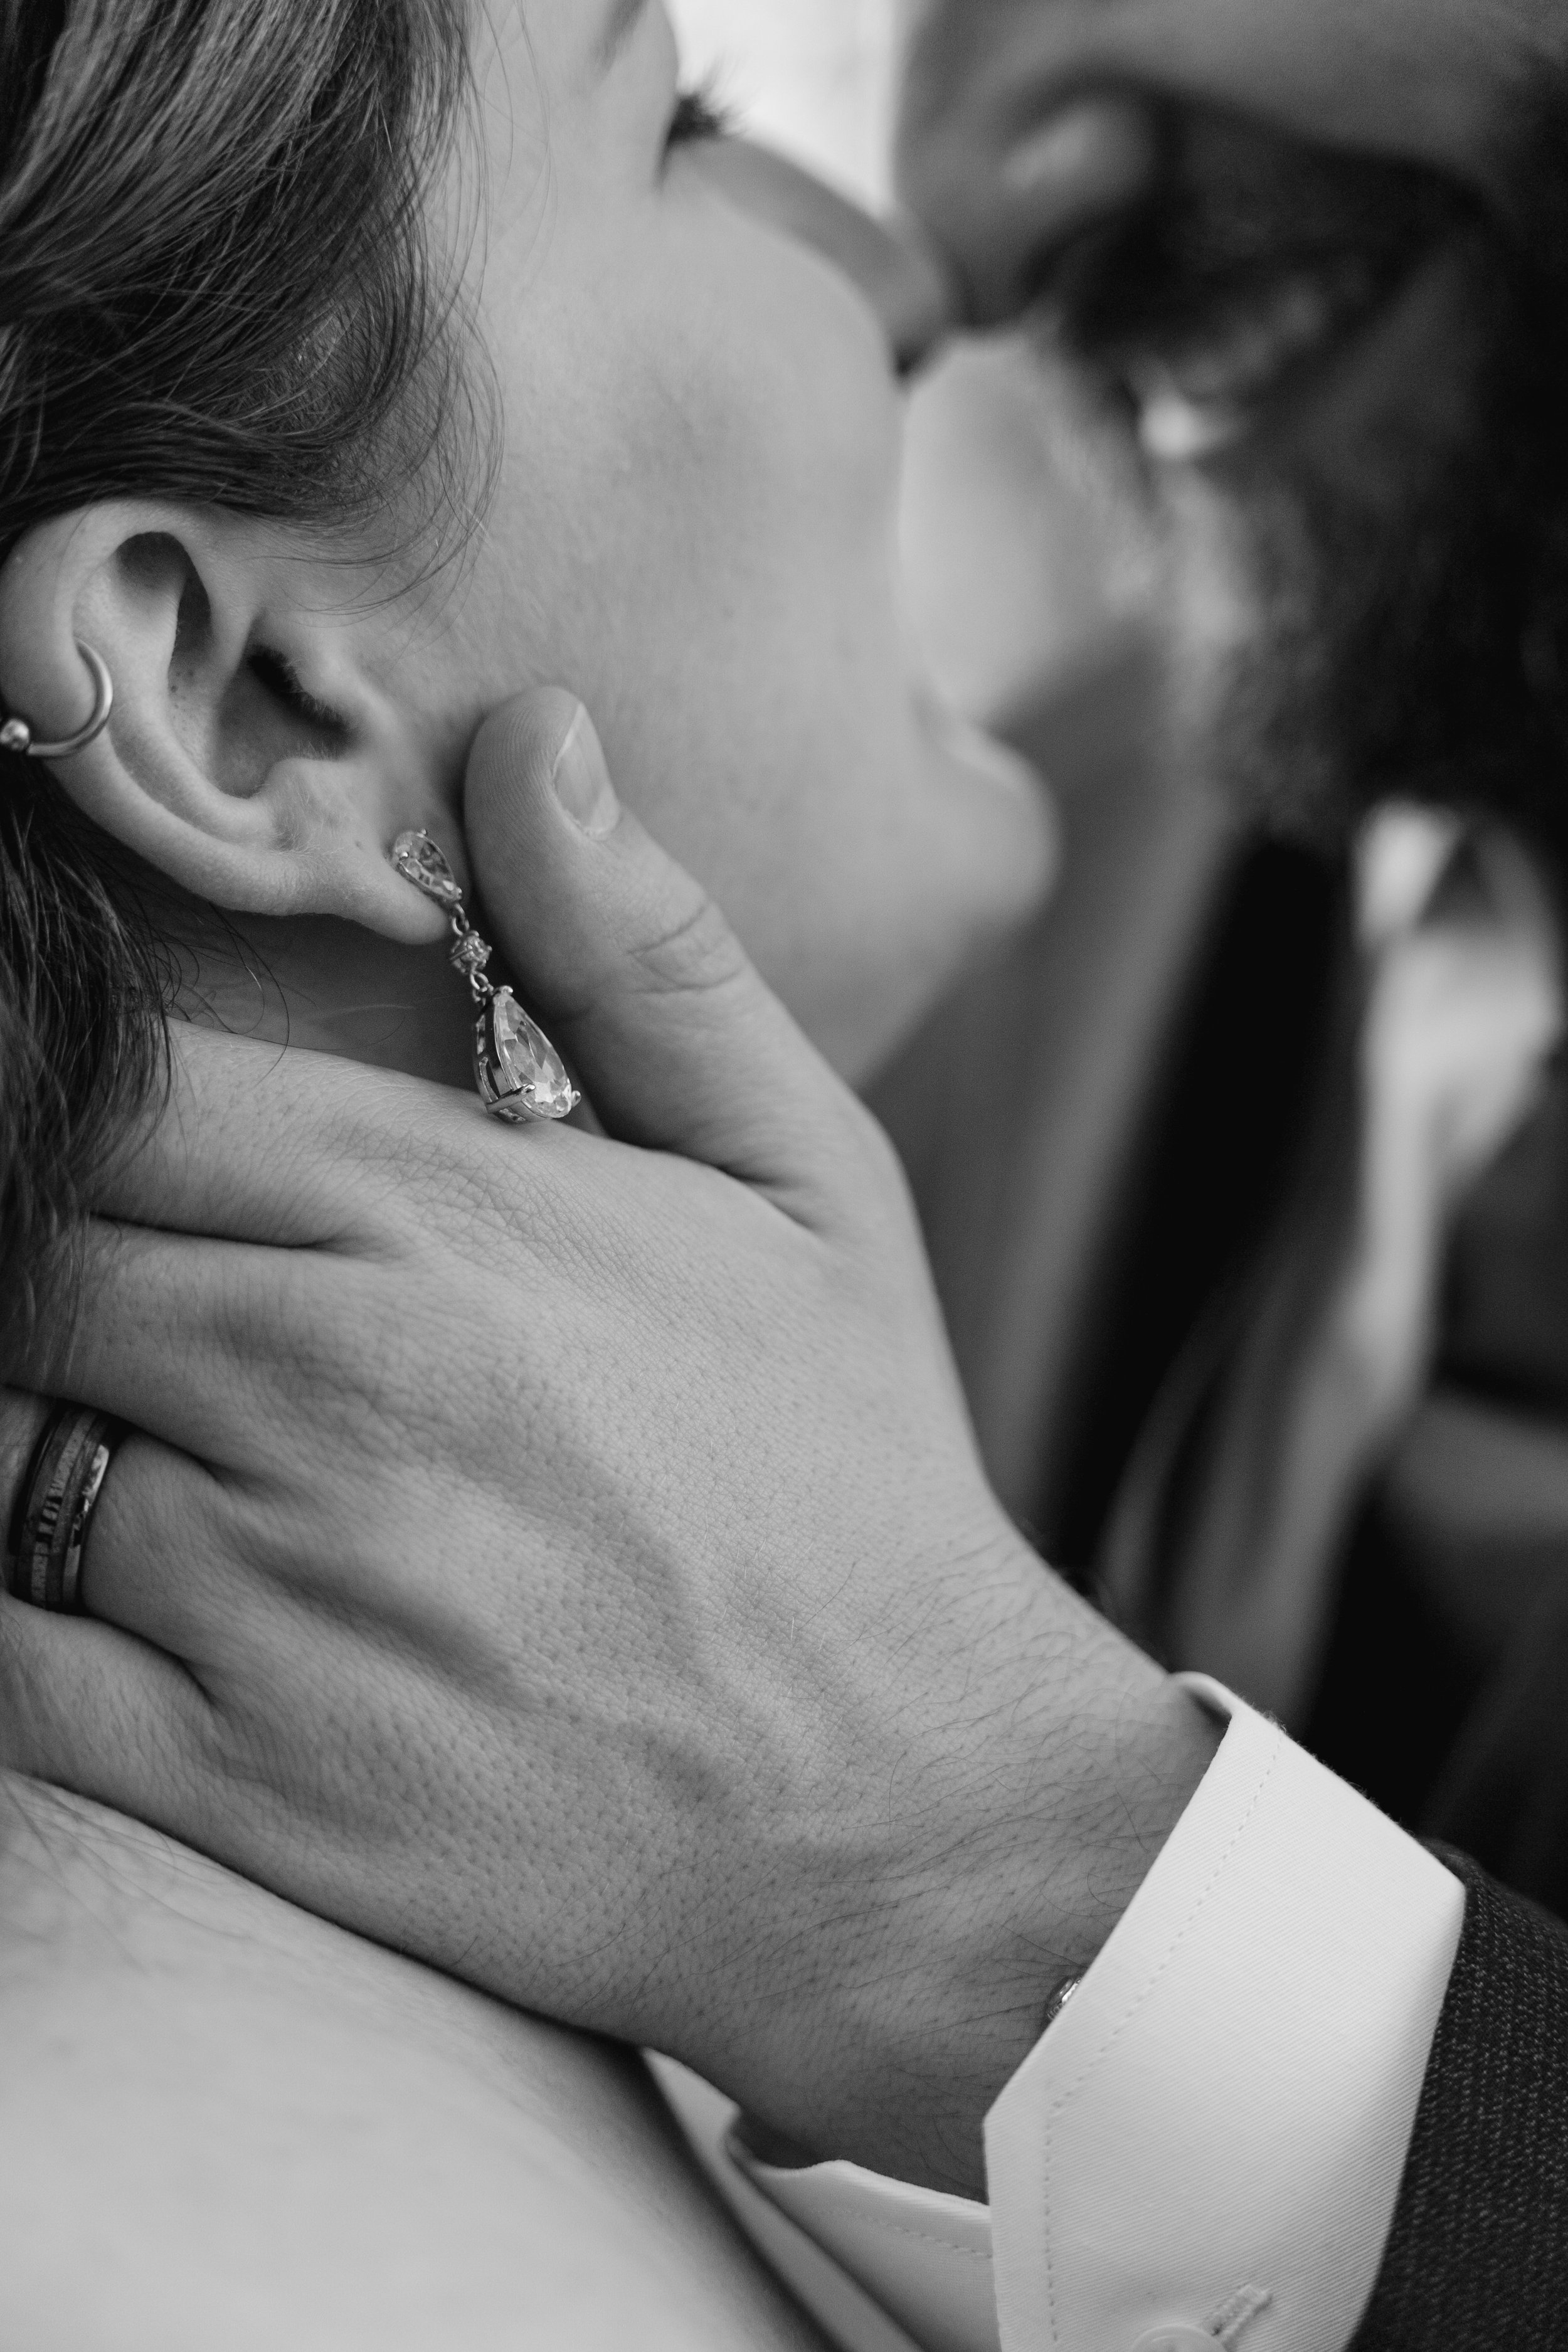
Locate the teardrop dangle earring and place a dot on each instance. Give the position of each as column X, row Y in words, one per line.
column 519, row 1073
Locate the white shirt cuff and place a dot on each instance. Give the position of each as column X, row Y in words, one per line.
column 1207, row 2145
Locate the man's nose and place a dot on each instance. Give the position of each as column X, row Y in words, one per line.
column 1004, row 199
column 889, row 259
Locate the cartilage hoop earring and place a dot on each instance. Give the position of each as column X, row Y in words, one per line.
column 519, row 1073
column 15, row 735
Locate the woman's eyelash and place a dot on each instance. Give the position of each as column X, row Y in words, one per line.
column 697, row 115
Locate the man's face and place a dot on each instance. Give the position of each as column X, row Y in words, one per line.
column 1340, row 386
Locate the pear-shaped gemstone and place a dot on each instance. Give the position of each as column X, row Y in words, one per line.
column 520, row 1072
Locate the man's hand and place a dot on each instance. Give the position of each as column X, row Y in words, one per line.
column 566, row 1558
column 1025, row 120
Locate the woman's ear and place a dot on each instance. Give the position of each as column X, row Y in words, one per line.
column 251, row 756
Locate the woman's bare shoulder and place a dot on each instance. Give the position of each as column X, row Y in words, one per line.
column 229, row 2123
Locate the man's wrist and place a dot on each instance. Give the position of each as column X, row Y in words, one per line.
column 1064, row 1881
column 1075, row 1769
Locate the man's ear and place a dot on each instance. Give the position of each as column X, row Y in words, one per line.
column 251, row 755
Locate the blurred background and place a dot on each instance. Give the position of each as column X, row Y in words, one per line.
column 813, row 77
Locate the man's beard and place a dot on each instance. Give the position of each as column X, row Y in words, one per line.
column 1408, row 597
column 1411, row 640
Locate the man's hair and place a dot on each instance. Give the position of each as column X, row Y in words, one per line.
column 215, row 287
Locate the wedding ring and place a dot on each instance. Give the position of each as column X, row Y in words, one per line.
column 54, row 1504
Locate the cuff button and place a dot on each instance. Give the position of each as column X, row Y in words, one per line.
column 1177, row 2336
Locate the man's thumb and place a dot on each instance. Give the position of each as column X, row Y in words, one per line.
column 631, row 966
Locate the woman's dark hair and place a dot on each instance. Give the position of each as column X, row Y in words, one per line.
column 215, row 287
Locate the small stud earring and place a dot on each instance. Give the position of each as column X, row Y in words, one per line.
column 519, row 1073
column 15, row 735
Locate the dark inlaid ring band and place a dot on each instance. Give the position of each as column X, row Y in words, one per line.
column 54, row 1504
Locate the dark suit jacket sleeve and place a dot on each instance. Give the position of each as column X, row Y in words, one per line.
column 1478, row 2257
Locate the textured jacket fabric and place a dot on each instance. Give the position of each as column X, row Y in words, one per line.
column 1478, row 2257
